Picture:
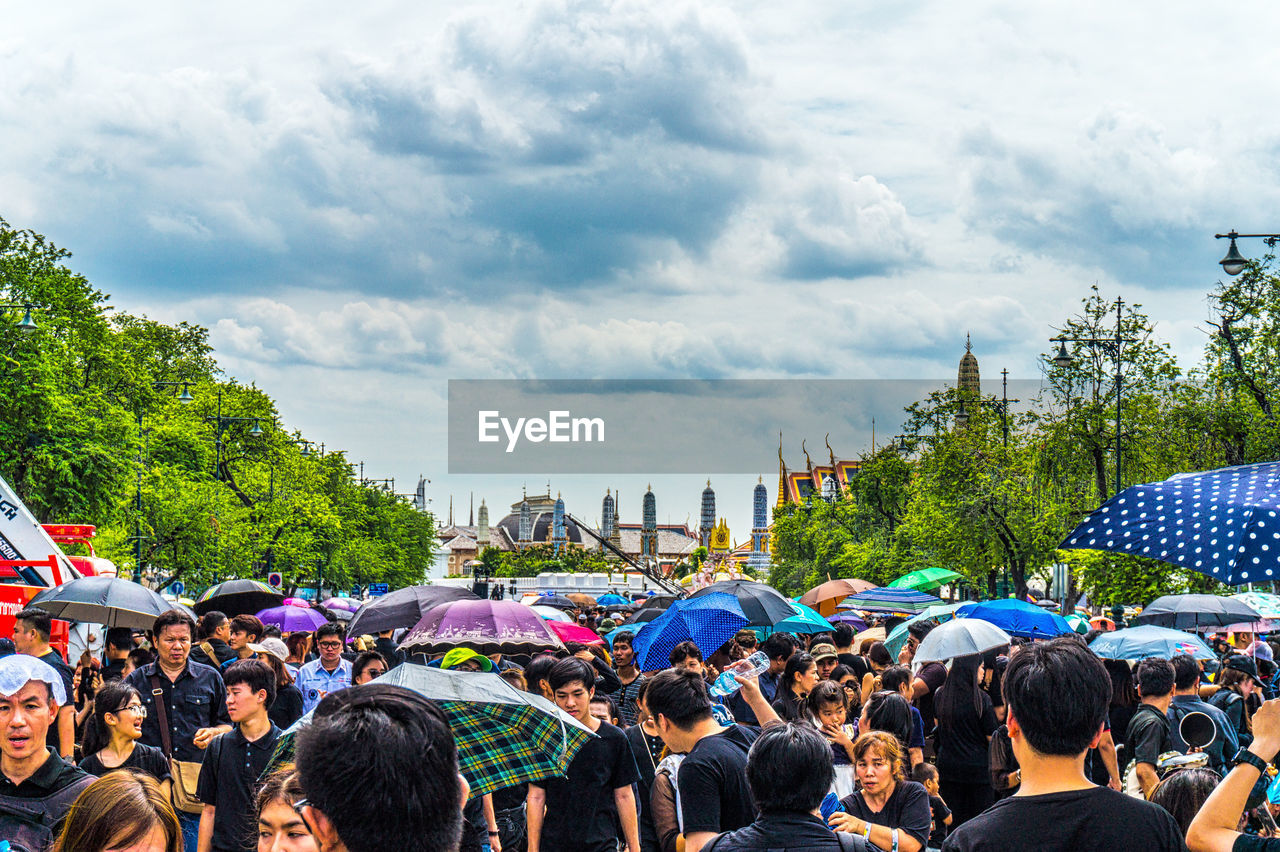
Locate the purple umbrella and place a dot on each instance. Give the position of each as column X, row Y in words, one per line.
column 489, row 627
column 850, row 618
column 341, row 603
column 291, row 619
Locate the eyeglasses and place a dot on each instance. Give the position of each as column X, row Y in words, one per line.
column 330, row 645
column 136, row 709
column 297, row 809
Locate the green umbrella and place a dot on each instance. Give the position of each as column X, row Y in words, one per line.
column 504, row 736
column 898, row 637
column 1079, row 623
column 925, row 579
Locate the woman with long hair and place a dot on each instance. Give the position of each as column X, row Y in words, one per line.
column 121, row 810
column 891, row 812
column 966, row 722
column 112, row 733
column 287, row 707
column 280, row 829
column 800, row 676
column 299, row 645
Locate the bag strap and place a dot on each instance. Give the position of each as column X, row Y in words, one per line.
column 162, row 716
column 208, row 652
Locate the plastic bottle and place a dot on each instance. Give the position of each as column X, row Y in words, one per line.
column 727, row 684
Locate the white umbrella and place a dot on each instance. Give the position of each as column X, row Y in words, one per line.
column 960, row 637
column 550, row 613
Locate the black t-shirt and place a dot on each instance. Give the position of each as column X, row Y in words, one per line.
column 1148, row 735
column 64, row 671
column 934, row 675
column 113, row 670
column 788, row 832
column 1094, row 820
column 939, row 810
column 581, row 814
column 143, row 757
column 788, row 707
column 1253, row 843
column 287, row 708
column 228, row 780
column 713, row 783
column 962, row 741
column 854, row 663
column 907, row 809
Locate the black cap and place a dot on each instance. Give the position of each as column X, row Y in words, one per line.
column 1242, row 663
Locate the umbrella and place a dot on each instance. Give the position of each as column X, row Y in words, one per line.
column 1101, row 622
column 707, row 620
column 296, row 602
column 924, row 580
column 582, row 601
column 1138, row 643
column 852, row 619
column 238, row 597
column 874, row 633
column 960, row 637
column 574, row 633
column 342, row 603
column 1223, row 523
column 341, row 614
column 292, row 619
column 898, row 636
column 550, row 613
column 612, row 600
column 1078, row 623
column 109, row 601
column 556, row 601
column 1266, row 625
column 764, row 606
column 403, row 608
column 504, row 736
column 824, row 597
column 1267, row 605
column 903, row 601
column 488, row 627
column 652, row 608
column 1183, row 612
column 805, row 620
column 1017, row 618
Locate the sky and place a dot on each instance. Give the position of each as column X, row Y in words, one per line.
column 364, row 202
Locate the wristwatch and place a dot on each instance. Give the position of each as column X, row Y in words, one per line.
column 1246, row 756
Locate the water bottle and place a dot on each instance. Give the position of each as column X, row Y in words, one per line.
column 753, row 666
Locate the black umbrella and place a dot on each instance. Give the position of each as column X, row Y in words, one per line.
column 557, row 601
column 238, row 597
column 1185, row 612
column 104, row 600
column 763, row 605
column 403, row 608
column 650, row 608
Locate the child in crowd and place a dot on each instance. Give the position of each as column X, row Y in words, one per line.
column 927, row 774
column 827, row 707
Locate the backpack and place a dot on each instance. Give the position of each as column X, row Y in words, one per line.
column 29, row 824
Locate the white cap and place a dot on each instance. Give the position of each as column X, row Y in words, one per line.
column 18, row 670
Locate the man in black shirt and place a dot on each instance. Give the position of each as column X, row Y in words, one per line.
column 580, row 812
column 1215, row 828
column 31, row 629
column 116, row 648
column 712, row 778
column 843, row 635
column 213, row 648
column 229, row 774
column 1057, row 693
column 1148, row 735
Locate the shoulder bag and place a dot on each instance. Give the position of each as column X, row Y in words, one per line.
column 186, row 773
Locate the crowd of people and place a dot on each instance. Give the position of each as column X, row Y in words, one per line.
column 169, row 742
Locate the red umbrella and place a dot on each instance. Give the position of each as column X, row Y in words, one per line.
column 575, row 633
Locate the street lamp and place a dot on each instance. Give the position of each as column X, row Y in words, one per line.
column 1114, row 348
column 221, row 422
column 1002, row 405
column 27, row 324
column 1234, row 263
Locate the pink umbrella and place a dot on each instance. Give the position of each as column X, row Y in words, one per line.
column 295, row 602
column 575, row 633
column 488, row 627
column 341, row 603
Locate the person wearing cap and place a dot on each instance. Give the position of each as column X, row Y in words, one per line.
column 824, row 655
column 1237, row 681
column 466, row 660
column 33, row 777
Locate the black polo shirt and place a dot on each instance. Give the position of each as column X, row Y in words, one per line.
column 54, row 774
column 197, row 699
column 228, row 778
column 222, row 653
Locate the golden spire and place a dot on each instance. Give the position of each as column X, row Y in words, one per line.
column 782, row 474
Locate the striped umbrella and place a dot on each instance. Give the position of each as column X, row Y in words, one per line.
column 898, row 601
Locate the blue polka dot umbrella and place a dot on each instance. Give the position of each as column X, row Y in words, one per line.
column 708, row 621
column 1224, row 523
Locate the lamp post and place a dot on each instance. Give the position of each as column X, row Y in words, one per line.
column 1234, row 262
column 962, row 416
column 27, row 324
column 1114, row 348
column 185, row 398
column 221, row 422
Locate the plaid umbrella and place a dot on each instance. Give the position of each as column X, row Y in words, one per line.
column 504, row 736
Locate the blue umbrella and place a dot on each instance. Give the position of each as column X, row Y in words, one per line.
column 612, row 600
column 1138, row 643
column 1018, row 618
column 805, row 620
column 1224, row 523
column 907, row 601
column 708, row 621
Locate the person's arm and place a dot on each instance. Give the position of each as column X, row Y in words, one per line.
column 1214, row 827
column 491, row 823
column 1107, row 750
column 881, row 836
column 662, row 807
column 868, row 686
column 1147, row 778
column 606, row 678
column 919, row 689
column 625, row 800
column 204, row 843
column 67, row 731
column 694, row 842
column 535, row 810
column 755, row 699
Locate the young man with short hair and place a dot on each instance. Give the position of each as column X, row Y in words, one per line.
column 326, row 674
column 37, row 786
column 31, row 629
column 687, row 656
column 379, row 768
column 229, row 774
column 1148, row 733
column 712, row 778
column 244, row 629
column 214, row 647
column 1058, row 694
column 842, row 636
column 116, row 648
column 1186, row 699
column 581, row 812
column 627, row 695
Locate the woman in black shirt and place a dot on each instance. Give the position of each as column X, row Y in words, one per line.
column 110, row 739
column 800, row 676
column 287, row 708
column 889, row 811
column 966, row 721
